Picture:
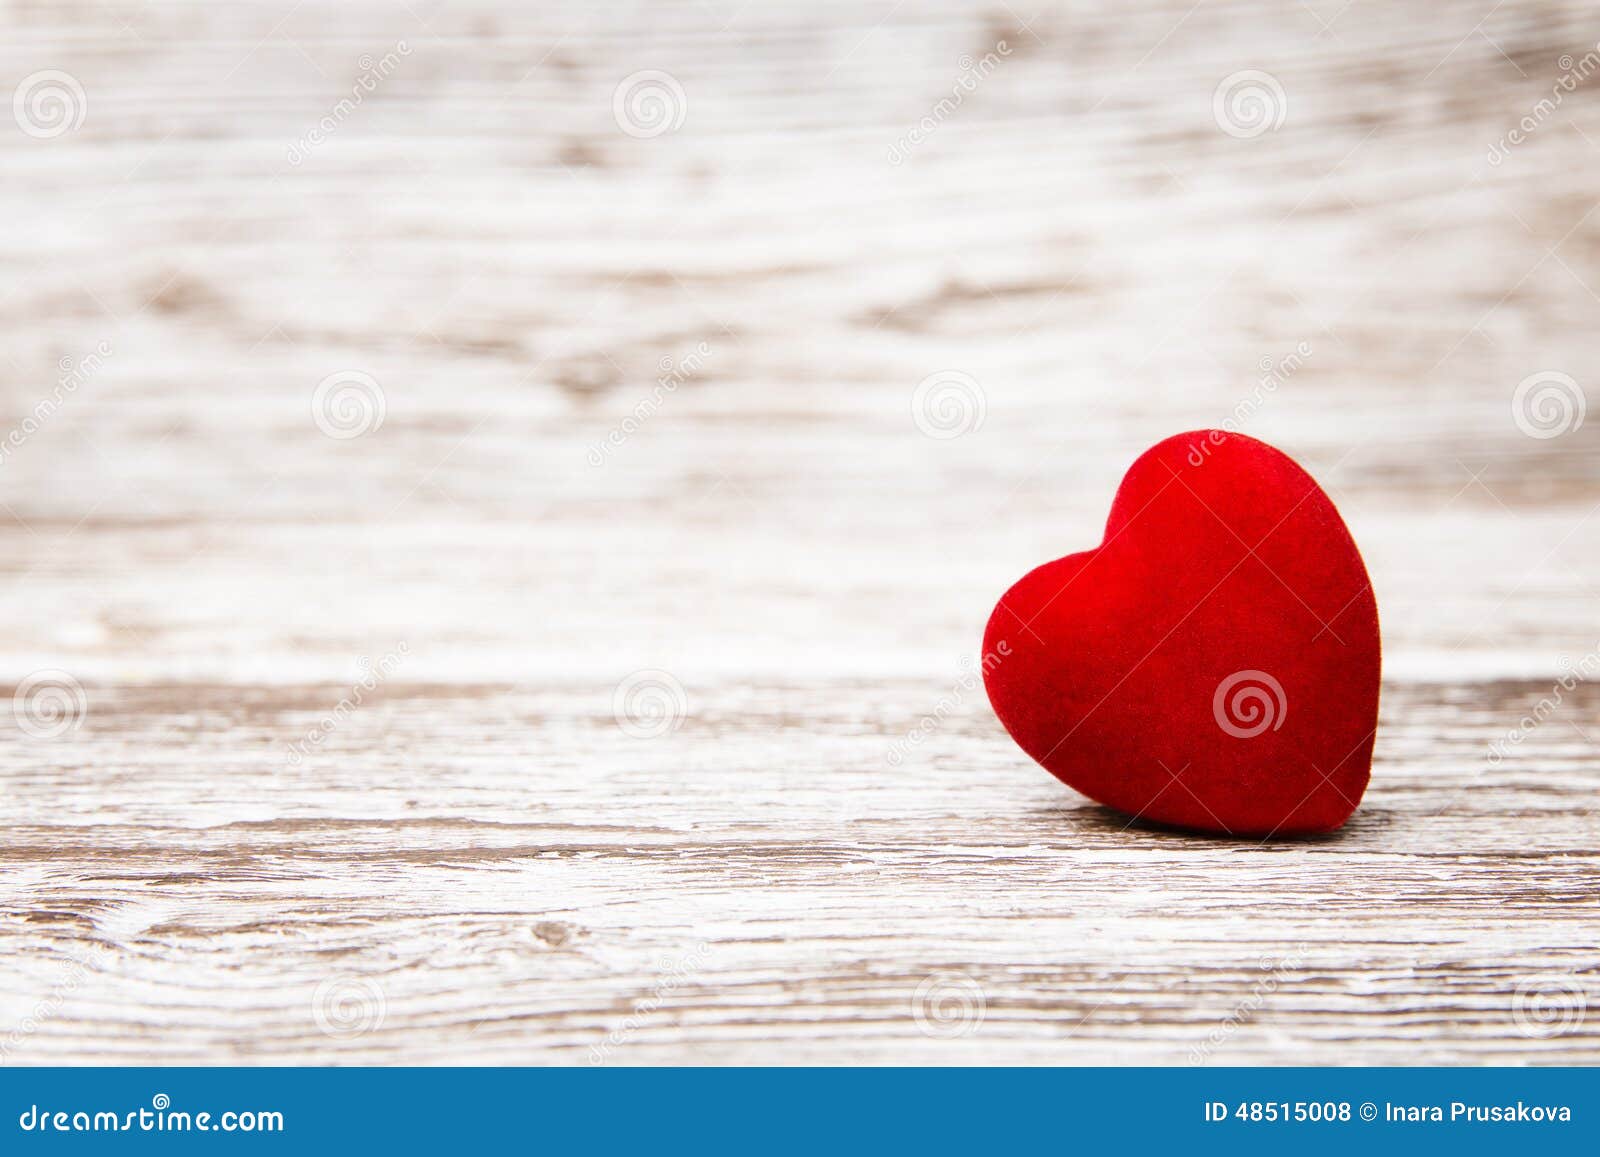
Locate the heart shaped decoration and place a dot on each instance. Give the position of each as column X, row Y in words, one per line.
column 1214, row 663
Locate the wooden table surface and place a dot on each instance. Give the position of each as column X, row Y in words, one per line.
column 662, row 547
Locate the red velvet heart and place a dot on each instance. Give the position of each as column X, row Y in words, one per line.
column 1213, row 663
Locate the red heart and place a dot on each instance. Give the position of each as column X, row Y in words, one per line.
column 1213, row 663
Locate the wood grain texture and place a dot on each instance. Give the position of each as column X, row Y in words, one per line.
column 477, row 863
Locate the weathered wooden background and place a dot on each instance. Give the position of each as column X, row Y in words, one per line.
column 479, row 862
